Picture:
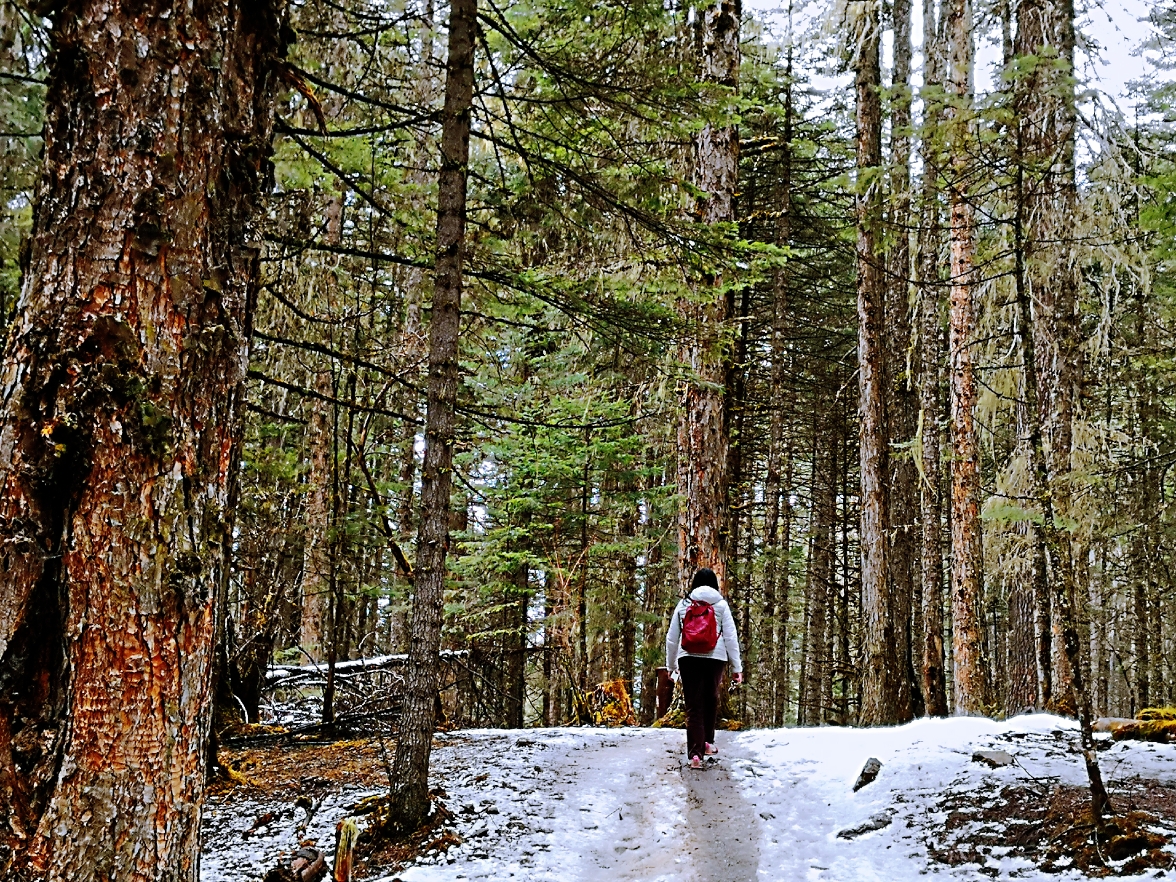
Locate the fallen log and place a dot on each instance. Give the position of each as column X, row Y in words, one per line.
column 1111, row 724
column 283, row 674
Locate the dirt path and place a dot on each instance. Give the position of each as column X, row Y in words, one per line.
column 595, row 807
column 725, row 835
column 699, row 828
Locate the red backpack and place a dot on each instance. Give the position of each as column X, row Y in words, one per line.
column 700, row 630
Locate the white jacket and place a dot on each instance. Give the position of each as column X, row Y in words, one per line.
column 727, row 647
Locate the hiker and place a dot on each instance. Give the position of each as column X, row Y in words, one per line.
column 701, row 641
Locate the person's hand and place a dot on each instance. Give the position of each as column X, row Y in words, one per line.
column 675, row 675
column 737, row 678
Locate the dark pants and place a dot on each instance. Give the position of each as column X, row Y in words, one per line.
column 700, row 692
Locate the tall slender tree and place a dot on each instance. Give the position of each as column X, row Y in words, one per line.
column 970, row 667
column 930, row 356
column 1045, row 107
column 883, row 698
column 410, row 803
column 902, row 406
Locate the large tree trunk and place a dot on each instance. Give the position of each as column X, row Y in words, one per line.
column 418, row 721
column 123, row 384
column 1046, row 289
column 703, row 430
column 930, row 371
column 883, row 700
column 970, row 668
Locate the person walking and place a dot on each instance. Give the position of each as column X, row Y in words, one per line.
column 701, row 642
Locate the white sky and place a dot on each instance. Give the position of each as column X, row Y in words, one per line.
column 1112, row 29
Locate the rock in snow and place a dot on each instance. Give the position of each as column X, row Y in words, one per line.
column 874, row 822
column 869, row 772
column 993, row 758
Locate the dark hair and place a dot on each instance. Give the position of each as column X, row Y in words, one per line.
column 704, row 576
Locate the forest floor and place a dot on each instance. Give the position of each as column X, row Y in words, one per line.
column 588, row 805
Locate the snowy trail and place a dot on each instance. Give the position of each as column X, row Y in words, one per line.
column 772, row 809
column 724, row 828
column 590, row 805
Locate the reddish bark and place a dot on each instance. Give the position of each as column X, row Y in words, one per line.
column 970, row 667
column 123, row 384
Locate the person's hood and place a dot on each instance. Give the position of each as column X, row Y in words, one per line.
column 706, row 594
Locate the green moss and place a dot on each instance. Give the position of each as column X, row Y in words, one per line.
column 156, row 425
column 1152, row 724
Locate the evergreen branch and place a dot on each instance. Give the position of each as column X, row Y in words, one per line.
column 337, row 356
column 331, row 399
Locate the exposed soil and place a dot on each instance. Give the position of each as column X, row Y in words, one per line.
column 301, row 775
column 279, row 770
column 1052, row 828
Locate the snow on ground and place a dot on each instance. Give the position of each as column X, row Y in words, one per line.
column 231, row 852
column 588, row 805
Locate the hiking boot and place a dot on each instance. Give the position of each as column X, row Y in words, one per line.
column 711, row 750
column 695, row 762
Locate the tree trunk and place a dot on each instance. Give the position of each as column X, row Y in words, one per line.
column 418, row 721
column 316, row 557
column 123, row 387
column 971, row 670
column 1021, row 657
column 319, row 446
column 627, row 585
column 820, row 579
column 773, row 656
column 582, row 576
column 1046, row 115
column 739, row 585
column 930, row 371
column 902, row 406
column 883, row 700
column 654, row 625
column 703, row 430
column 1044, row 481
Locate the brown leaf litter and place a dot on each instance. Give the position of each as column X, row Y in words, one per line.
column 300, row 772
column 1054, row 831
